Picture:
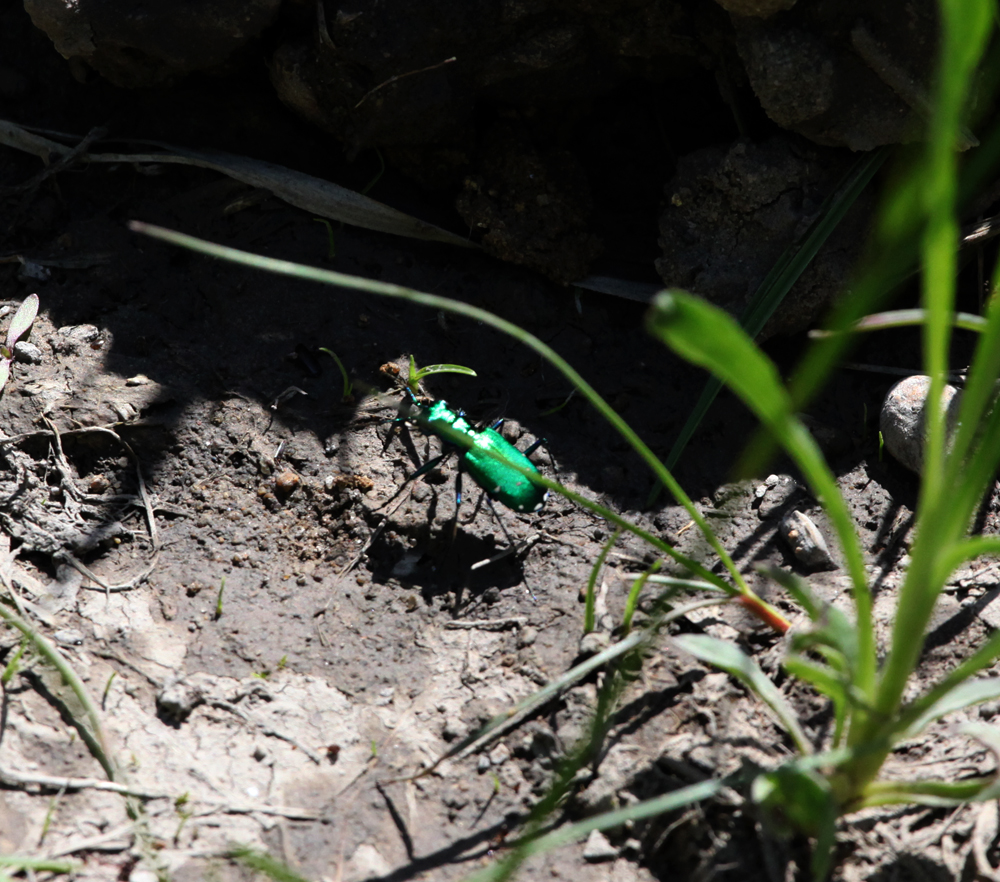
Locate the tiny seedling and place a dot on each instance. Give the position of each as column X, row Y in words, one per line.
column 107, row 688
column 347, row 396
column 218, row 600
column 378, row 174
column 331, row 247
column 14, row 664
column 47, row 823
column 19, row 326
column 282, row 662
column 417, row 375
column 881, row 446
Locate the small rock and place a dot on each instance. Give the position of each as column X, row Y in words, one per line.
column 483, row 764
column 80, row 333
column 34, row 272
column 593, row 643
column 367, row 863
column 176, row 700
column 27, row 353
column 902, row 418
column 776, row 495
column 454, row 729
column 527, row 637
column 286, row 482
column 806, row 541
column 598, row 848
column 499, row 755
column 69, row 637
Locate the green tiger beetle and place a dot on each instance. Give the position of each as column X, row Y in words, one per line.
column 493, row 473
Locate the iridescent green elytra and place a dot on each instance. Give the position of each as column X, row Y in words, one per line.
column 499, row 480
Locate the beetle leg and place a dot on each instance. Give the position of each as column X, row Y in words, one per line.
column 541, row 442
column 427, row 466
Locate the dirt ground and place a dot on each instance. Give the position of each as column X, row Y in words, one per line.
column 275, row 631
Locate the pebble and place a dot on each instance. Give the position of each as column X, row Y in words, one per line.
column 902, row 418
column 27, row 353
column 806, row 541
column 69, row 637
column 598, row 848
column 593, row 643
column 499, row 755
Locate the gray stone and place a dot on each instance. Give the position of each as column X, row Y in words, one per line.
column 598, row 848
column 806, row 541
column 28, row 353
column 902, row 420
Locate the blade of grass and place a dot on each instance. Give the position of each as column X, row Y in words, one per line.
column 964, row 33
column 589, row 617
column 94, row 736
column 649, row 808
column 731, row 659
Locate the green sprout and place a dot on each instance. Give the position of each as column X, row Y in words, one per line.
column 13, row 664
column 218, row 600
column 331, row 246
column 417, row 375
column 347, row 395
column 107, row 688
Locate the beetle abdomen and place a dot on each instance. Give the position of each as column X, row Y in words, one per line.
column 505, row 484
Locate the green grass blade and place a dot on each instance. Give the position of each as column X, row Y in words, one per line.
column 632, row 601
column 93, row 734
column 20, row 863
column 965, row 26
column 953, row 695
column 938, row 794
column 264, row 863
column 444, row 369
column 730, row 658
column 589, row 616
column 649, row 808
column 707, row 336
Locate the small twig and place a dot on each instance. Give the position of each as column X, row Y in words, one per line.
column 147, row 504
column 101, row 842
column 54, row 782
column 124, row 662
column 516, row 548
column 67, row 159
column 488, row 624
column 129, row 585
column 401, row 76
